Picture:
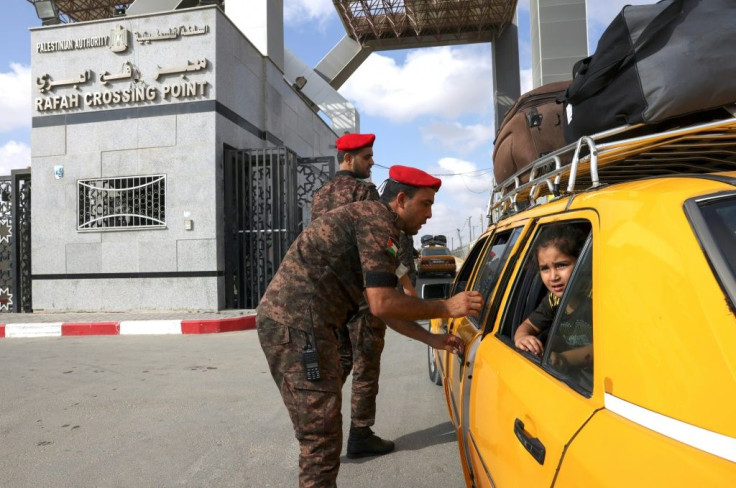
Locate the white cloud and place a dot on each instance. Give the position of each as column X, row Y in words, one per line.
column 303, row 11
column 15, row 98
column 14, row 155
column 462, row 196
column 447, row 219
column 468, row 184
column 442, row 81
column 458, row 137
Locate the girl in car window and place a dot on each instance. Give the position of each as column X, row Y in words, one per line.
column 556, row 252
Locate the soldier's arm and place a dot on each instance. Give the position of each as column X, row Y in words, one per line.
column 417, row 332
column 389, row 303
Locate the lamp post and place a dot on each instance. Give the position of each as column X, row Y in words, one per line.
column 47, row 11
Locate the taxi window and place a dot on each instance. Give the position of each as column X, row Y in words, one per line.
column 490, row 269
column 568, row 354
column 528, row 291
column 714, row 222
column 467, row 268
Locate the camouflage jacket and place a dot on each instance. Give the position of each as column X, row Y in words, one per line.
column 406, row 253
column 325, row 271
column 344, row 188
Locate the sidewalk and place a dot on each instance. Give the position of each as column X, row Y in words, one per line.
column 123, row 323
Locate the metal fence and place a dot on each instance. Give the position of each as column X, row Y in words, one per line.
column 15, row 242
column 267, row 196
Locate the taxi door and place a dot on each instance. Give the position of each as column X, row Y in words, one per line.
column 447, row 361
column 488, row 269
column 522, row 412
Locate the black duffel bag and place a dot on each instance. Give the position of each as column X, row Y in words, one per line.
column 653, row 63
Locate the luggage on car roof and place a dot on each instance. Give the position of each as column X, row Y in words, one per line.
column 530, row 129
column 440, row 239
column 426, row 239
column 653, row 63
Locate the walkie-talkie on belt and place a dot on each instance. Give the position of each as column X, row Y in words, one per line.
column 310, row 355
column 311, row 366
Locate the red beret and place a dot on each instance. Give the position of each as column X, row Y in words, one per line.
column 413, row 177
column 351, row 142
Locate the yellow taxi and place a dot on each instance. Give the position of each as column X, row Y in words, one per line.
column 435, row 260
column 650, row 301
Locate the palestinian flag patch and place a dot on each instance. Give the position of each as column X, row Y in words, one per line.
column 392, row 248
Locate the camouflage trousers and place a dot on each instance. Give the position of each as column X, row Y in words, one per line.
column 361, row 345
column 314, row 406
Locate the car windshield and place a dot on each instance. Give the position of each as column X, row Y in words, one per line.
column 435, row 251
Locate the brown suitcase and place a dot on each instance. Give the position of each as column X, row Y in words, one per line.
column 530, row 129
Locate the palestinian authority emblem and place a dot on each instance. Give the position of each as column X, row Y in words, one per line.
column 119, row 39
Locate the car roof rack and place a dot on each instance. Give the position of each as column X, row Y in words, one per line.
column 606, row 158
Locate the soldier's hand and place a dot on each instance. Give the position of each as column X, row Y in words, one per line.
column 464, row 304
column 448, row 342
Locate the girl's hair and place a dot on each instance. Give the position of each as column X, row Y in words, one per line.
column 567, row 238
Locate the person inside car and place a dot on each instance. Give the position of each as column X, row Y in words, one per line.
column 556, row 251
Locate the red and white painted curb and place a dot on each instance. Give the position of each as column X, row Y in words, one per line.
column 129, row 327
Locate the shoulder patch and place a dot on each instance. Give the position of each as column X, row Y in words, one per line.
column 392, row 248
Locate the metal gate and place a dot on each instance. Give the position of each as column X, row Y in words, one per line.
column 15, row 242
column 268, row 193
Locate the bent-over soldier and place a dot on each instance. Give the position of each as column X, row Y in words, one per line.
column 345, row 255
column 362, row 339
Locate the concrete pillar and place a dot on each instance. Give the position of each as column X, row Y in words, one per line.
column 559, row 38
column 262, row 22
column 506, row 78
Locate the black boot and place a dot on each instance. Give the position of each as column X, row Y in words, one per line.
column 363, row 442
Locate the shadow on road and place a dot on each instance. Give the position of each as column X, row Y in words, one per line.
column 439, row 434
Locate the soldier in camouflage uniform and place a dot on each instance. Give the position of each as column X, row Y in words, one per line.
column 355, row 152
column 345, row 255
column 362, row 338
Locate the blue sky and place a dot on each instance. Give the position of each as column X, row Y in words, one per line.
column 429, row 108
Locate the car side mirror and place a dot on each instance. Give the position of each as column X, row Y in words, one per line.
column 436, row 291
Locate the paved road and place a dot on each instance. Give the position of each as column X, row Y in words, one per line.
column 194, row 411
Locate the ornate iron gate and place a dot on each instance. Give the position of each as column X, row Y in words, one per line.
column 268, row 193
column 15, row 242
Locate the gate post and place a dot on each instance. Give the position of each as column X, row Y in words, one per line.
column 21, row 240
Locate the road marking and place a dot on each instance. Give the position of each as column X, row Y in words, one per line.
column 33, row 330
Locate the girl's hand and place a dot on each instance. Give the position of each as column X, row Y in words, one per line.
column 530, row 344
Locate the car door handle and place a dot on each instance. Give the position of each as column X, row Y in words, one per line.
column 531, row 444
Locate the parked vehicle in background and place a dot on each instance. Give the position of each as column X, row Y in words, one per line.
column 440, row 240
column 653, row 402
column 430, row 240
column 435, row 260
